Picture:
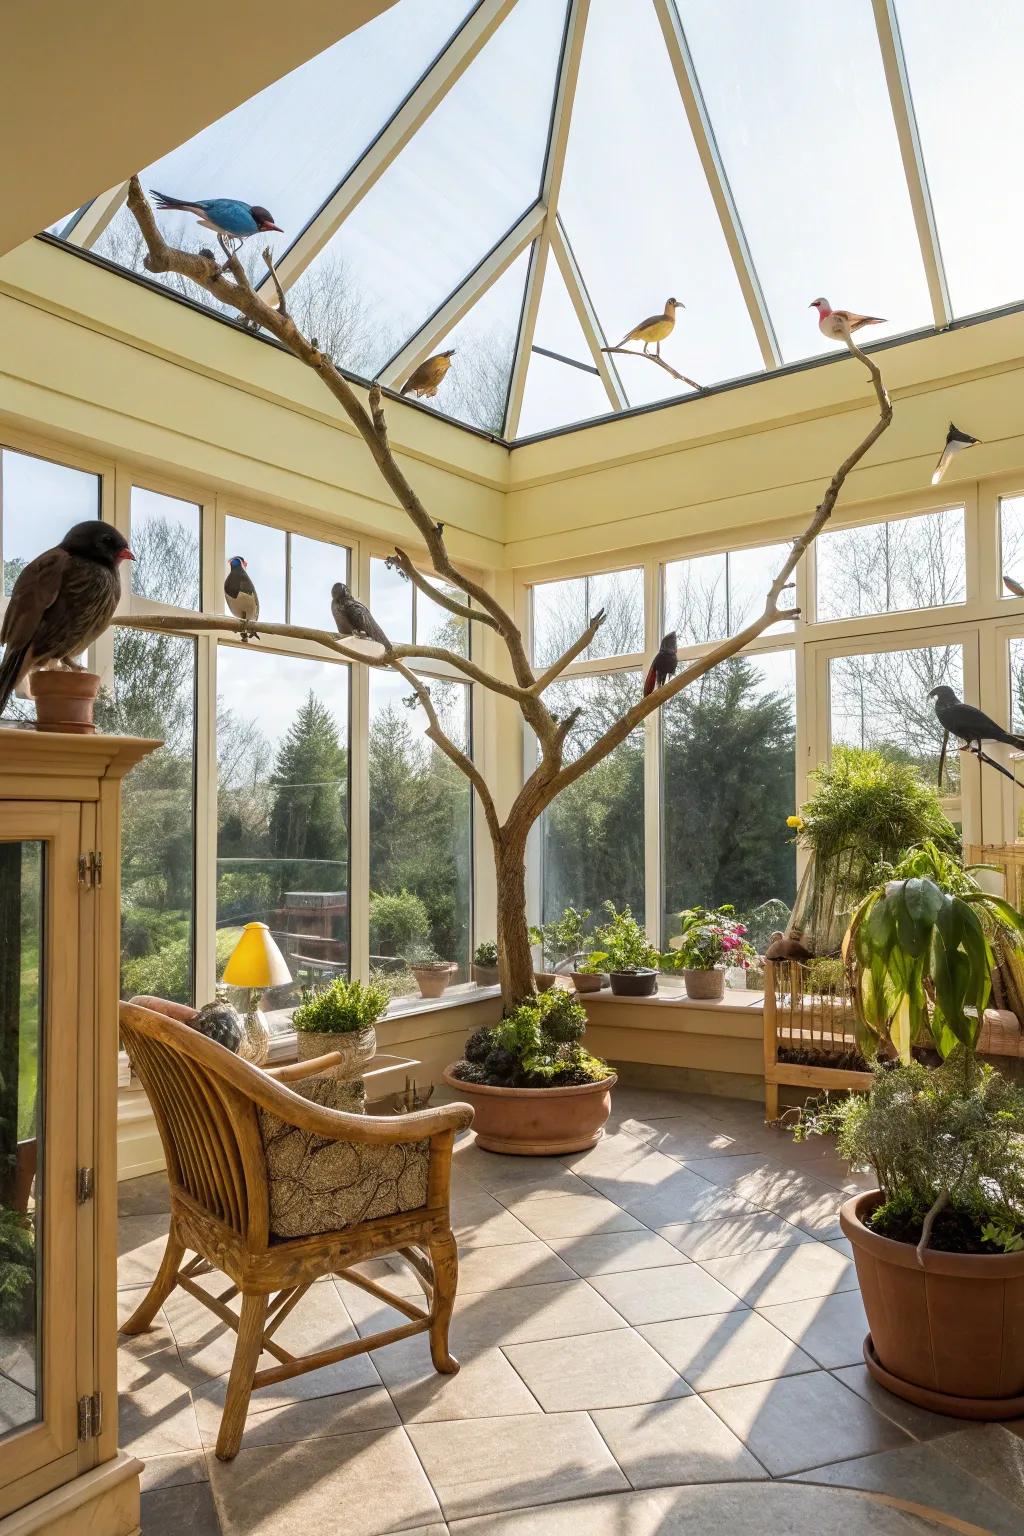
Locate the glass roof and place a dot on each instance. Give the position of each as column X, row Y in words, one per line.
column 527, row 180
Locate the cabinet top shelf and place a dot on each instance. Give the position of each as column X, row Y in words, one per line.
column 49, row 764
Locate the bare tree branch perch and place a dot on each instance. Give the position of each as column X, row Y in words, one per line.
column 654, row 357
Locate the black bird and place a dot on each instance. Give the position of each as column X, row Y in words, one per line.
column 970, row 724
column 1013, row 586
column 354, row 618
column 956, row 442
column 63, row 600
column 664, row 664
column 241, row 597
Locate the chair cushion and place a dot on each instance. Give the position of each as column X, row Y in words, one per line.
column 319, row 1185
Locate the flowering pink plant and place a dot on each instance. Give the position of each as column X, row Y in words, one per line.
column 708, row 939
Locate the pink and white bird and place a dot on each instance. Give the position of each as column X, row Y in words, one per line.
column 837, row 324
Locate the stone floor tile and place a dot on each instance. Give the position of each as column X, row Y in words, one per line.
column 799, row 1422
column 573, row 1216
column 485, row 1386
column 600, row 1370
column 480, row 1466
column 173, row 1471
column 187, row 1507
column 367, row 1485
column 609, row 1253
column 647, row 1104
column 149, row 1195
column 159, row 1419
column 141, row 1241
column 690, row 1138
column 784, row 1274
column 726, row 1350
column 530, row 1312
column 992, row 1455
column 304, row 1418
column 841, row 1245
column 669, row 1443
column 489, row 1269
column 830, row 1328
column 478, row 1220
column 158, row 1335
column 654, row 1295
column 500, row 1174
column 680, row 1198
column 919, row 1422
column 730, row 1235
column 18, row 1405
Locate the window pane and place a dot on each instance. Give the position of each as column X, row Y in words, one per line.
column 911, row 562
column 563, row 609
column 315, row 567
column 265, row 552
column 40, row 501
column 728, row 760
column 1011, row 534
column 283, row 812
column 592, row 836
column 436, row 626
column 697, row 599
column 880, row 700
column 391, row 602
column 801, row 115
column 475, row 388
column 1017, row 685
column 165, row 534
column 154, row 695
column 420, row 834
column 751, row 573
column 556, row 394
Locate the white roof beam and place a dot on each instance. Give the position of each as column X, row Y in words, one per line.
column 419, row 347
column 896, row 78
column 587, row 317
column 394, row 136
column 718, row 182
column 95, row 217
column 551, row 181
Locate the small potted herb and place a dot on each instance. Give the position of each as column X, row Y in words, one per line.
column 340, row 1017
column 623, row 949
column 485, row 964
column 710, row 941
column 588, row 975
column 560, row 942
column 432, row 974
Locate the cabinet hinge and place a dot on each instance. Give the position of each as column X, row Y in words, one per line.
column 86, row 1184
column 90, row 1416
column 90, row 868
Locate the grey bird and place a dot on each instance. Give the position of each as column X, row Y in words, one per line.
column 62, row 601
column 241, row 596
column 956, row 442
column 970, row 724
column 354, row 618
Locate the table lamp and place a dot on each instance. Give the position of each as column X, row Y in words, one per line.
column 256, row 963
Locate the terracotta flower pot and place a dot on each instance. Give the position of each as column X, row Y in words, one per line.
column 707, row 986
column 485, row 975
column 947, row 1334
column 588, row 981
column 432, row 979
column 545, row 980
column 64, row 700
column 642, row 982
column 356, row 1047
column 537, row 1122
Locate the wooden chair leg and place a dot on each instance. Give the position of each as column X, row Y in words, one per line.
column 444, row 1257
column 163, row 1285
column 243, row 1368
column 771, row 1101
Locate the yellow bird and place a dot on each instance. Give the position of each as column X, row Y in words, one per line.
column 655, row 328
column 427, row 378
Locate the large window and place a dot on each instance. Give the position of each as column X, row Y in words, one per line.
column 713, row 596
column 880, row 699
column 293, row 575
column 1011, row 539
column 40, row 501
column 910, row 562
column 283, row 811
column 408, row 616
column 165, row 540
column 563, row 609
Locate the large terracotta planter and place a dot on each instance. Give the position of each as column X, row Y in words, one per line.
column 356, row 1047
column 485, row 975
column 64, row 699
column 947, row 1334
column 705, row 986
column 537, row 1122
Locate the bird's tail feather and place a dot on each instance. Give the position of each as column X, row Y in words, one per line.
column 651, row 679
column 10, row 669
column 168, row 202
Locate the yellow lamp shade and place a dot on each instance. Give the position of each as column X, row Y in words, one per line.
column 256, row 960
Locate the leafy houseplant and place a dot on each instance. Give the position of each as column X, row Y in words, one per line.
column 432, row 974
column 622, row 948
column 340, row 1017
column 707, row 943
column 485, row 964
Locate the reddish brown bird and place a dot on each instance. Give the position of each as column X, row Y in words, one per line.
column 664, row 664
column 428, row 377
column 62, row 601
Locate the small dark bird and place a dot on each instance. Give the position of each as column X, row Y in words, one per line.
column 664, row 664
column 241, row 596
column 224, row 215
column 956, row 442
column 1013, row 586
column 354, row 618
column 427, row 378
column 970, row 724
column 62, row 601
column 782, row 948
column 439, row 530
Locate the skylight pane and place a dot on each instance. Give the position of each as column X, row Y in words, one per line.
column 798, row 102
column 471, row 170
column 965, row 71
column 555, row 393
column 636, row 203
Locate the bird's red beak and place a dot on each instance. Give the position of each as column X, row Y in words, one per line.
column 126, row 554
column 267, row 227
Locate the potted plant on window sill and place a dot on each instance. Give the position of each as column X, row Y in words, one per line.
column 432, row 974
column 709, row 942
column 340, row 1017
column 623, row 949
column 535, row 1090
column 939, row 1246
column 560, row 942
column 485, row 964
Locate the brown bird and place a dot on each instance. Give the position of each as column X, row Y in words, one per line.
column 655, row 328
column 62, row 601
column 427, row 378
column 782, row 948
column 665, row 663
column 1013, row 586
column 837, row 324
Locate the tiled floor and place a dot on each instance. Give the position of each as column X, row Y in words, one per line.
column 673, row 1309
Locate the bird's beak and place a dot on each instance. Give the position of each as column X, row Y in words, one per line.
column 268, row 227
column 126, row 554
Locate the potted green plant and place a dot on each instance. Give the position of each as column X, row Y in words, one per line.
column 588, row 975
column 340, row 1017
column 485, row 964
column 560, row 942
column 535, row 1089
column 939, row 1246
column 432, row 974
column 708, row 942
column 622, row 948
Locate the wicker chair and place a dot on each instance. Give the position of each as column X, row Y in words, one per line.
column 275, row 1190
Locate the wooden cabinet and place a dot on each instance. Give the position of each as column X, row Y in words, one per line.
column 60, row 1469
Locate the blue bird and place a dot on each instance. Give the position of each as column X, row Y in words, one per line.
column 226, row 216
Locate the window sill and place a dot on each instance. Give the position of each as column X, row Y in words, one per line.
column 283, row 1040
column 732, row 1002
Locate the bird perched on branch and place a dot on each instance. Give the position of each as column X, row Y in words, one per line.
column 956, row 442
column 655, row 329
column 354, row 618
column 226, row 216
column 665, row 663
column 838, row 324
column 428, row 377
column 241, row 596
column 1013, row 586
column 970, row 724
column 62, row 601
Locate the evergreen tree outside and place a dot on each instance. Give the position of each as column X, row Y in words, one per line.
column 310, row 789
